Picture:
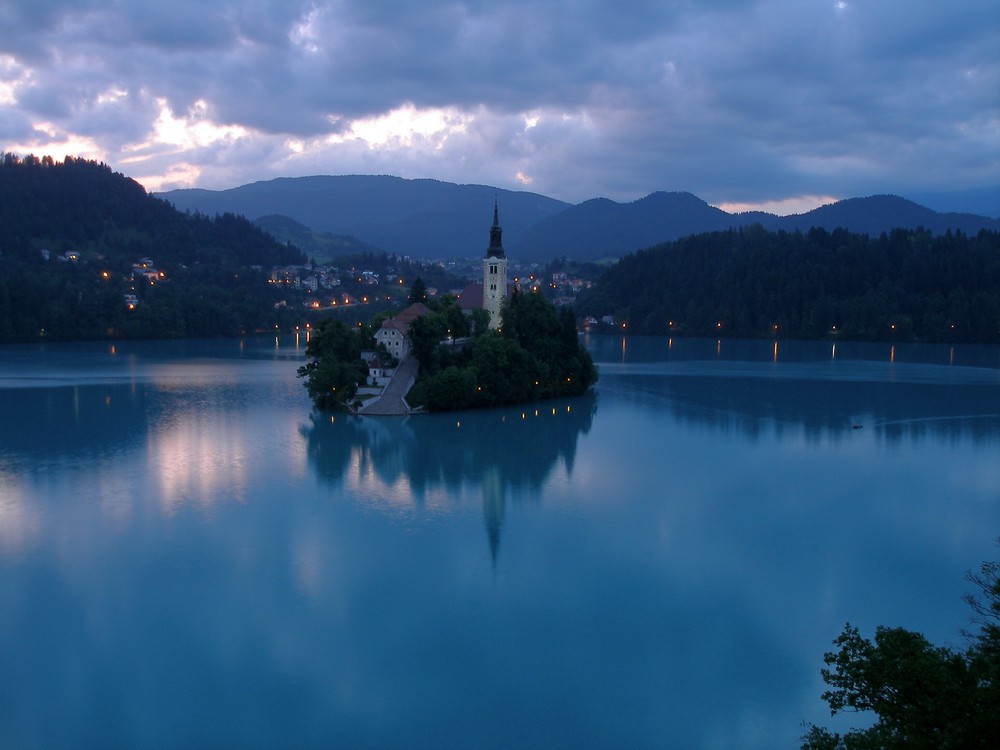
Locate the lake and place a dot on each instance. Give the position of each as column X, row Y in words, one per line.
column 189, row 557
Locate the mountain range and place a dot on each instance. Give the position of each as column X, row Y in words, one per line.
column 426, row 218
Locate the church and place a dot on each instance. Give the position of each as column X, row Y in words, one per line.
column 494, row 289
column 489, row 294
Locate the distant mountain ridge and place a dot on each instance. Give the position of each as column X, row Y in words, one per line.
column 421, row 218
column 868, row 216
column 433, row 219
column 602, row 228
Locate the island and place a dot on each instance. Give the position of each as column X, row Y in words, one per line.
column 491, row 345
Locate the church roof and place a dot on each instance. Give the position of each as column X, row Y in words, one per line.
column 471, row 297
column 412, row 312
column 402, row 321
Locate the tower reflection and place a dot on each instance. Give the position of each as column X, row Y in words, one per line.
column 436, row 463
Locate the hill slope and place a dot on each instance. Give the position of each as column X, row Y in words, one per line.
column 904, row 285
column 883, row 213
column 600, row 227
column 72, row 234
column 422, row 218
column 319, row 246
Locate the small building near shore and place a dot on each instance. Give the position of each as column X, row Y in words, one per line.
column 394, row 332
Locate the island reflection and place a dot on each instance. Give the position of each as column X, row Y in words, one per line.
column 424, row 463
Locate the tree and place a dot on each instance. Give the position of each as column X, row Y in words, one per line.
column 538, row 355
column 480, row 321
column 425, row 334
column 335, row 366
column 418, row 292
column 923, row 696
column 564, row 367
column 456, row 322
column 452, row 388
column 505, row 373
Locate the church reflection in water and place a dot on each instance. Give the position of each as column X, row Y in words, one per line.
column 435, row 463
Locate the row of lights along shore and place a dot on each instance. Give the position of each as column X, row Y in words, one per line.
column 671, row 326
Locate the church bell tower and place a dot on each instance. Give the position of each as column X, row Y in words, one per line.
column 494, row 273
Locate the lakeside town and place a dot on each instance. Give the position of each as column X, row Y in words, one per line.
column 329, row 286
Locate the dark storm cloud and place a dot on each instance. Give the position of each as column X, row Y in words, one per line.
column 746, row 100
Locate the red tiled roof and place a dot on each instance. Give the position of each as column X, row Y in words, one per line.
column 471, row 297
column 402, row 321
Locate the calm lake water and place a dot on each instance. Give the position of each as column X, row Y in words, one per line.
column 190, row 558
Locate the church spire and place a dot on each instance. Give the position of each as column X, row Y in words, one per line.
column 495, row 250
column 495, row 273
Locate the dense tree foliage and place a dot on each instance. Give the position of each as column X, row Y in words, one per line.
column 70, row 233
column 418, row 291
column 562, row 365
column 922, row 695
column 907, row 285
column 463, row 363
column 536, row 355
column 334, row 366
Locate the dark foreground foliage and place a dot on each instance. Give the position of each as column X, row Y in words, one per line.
column 923, row 696
column 904, row 285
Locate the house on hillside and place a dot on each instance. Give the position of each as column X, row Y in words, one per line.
column 393, row 333
column 148, row 272
column 378, row 374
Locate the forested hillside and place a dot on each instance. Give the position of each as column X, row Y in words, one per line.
column 78, row 242
column 904, row 285
column 319, row 246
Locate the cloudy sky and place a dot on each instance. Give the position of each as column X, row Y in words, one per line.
column 780, row 103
